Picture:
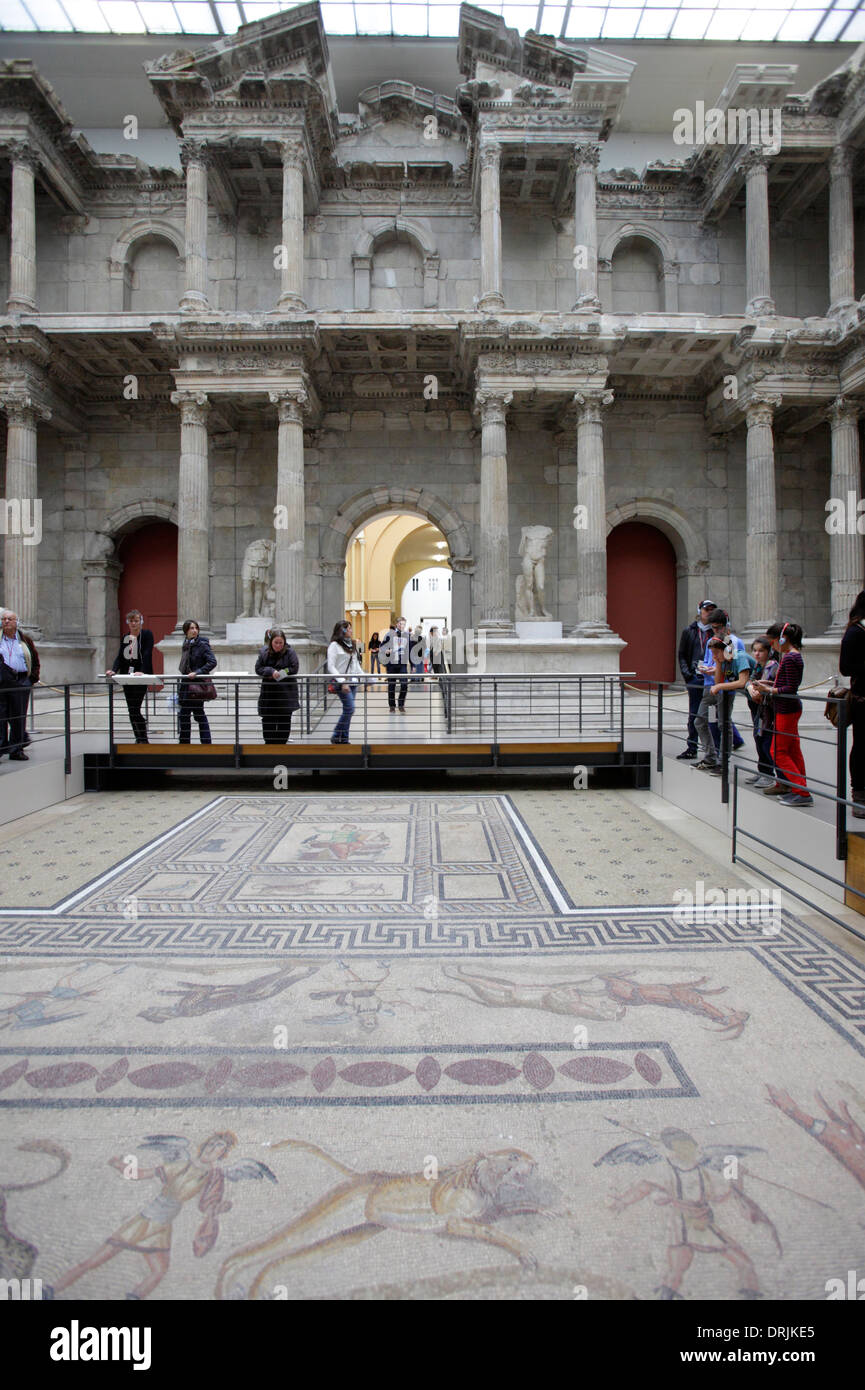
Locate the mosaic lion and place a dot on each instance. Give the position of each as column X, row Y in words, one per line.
column 461, row 1202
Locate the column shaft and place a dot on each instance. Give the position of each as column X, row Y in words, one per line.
column 841, row 255
column 585, row 160
column 290, row 609
column 291, row 295
column 845, row 550
column 22, row 258
column 761, row 544
column 592, row 537
column 491, row 230
column 24, row 522
column 193, row 508
column 195, row 159
column 494, row 556
column 759, row 284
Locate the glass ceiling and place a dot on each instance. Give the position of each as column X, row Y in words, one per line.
column 824, row 21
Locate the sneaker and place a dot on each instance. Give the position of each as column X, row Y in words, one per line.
column 685, row 757
column 19, row 757
column 776, row 789
column 752, row 781
column 794, row 799
column 859, row 811
column 707, row 764
column 762, row 782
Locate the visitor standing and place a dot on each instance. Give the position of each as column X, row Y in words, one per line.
column 692, row 650
column 135, row 656
column 397, row 666
column 277, row 664
column 852, row 664
column 791, row 787
column 343, row 665
column 18, row 672
column 196, row 660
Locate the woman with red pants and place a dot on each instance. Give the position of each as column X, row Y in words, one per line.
column 791, row 788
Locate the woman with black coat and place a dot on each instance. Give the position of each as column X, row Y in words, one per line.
column 852, row 663
column 196, row 660
column 277, row 665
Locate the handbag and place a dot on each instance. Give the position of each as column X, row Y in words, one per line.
column 202, row 689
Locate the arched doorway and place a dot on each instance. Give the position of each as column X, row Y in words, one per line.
column 149, row 579
column 397, row 564
column 641, row 599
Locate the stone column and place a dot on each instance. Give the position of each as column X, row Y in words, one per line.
column 290, row 608
column 22, row 258
column 585, row 160
column 291, row 296
column 491, row 230
column 495, row 569
column 24, row 520
column 758, row 279
column 195, row 158
column 761, row 543
column 845, row 550
column 592, row 534
column 841, row 255
column 193, row 511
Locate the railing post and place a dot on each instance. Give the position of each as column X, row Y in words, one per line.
column 365, row 713
column 660, row 757
column 841, row 783
column 725, row 701
column 67, row 731
column 735, row 814
column 306, row 702
column 621, row 712
column 110, row 722
column 237, row 723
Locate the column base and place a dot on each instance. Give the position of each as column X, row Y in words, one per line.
column 21, row 306
column 290, row 303
column 752, row 630
column 840, row 307
column 762, row 308
column 587, row 304
column 502, row 627
column 490, row 303
column 193, row 302
column 589, row 631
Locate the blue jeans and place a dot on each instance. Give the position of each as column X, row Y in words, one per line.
column 695, row 695
column 374, row 663
column 343, row 724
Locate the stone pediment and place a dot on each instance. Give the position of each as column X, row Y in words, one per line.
column 263, row 63
column 536, row 70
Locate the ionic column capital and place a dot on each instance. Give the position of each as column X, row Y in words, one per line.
column 761, row 409
column 590, row 404
column 195, row 152
column 585, row 157
column 194, row 406
column 292, row 404
column 492, row 406
column 23, row 409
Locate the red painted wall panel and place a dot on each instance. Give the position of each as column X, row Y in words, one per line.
column 641, row 599
column 149, row 579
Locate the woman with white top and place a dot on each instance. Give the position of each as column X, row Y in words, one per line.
column 343, row 665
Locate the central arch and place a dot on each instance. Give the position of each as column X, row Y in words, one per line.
column 362, row 508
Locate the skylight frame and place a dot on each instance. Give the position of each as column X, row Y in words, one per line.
column 582, row 20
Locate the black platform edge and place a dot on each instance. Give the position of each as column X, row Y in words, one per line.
column 627, row 768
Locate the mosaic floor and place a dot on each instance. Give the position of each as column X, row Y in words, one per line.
column 479, row 1027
